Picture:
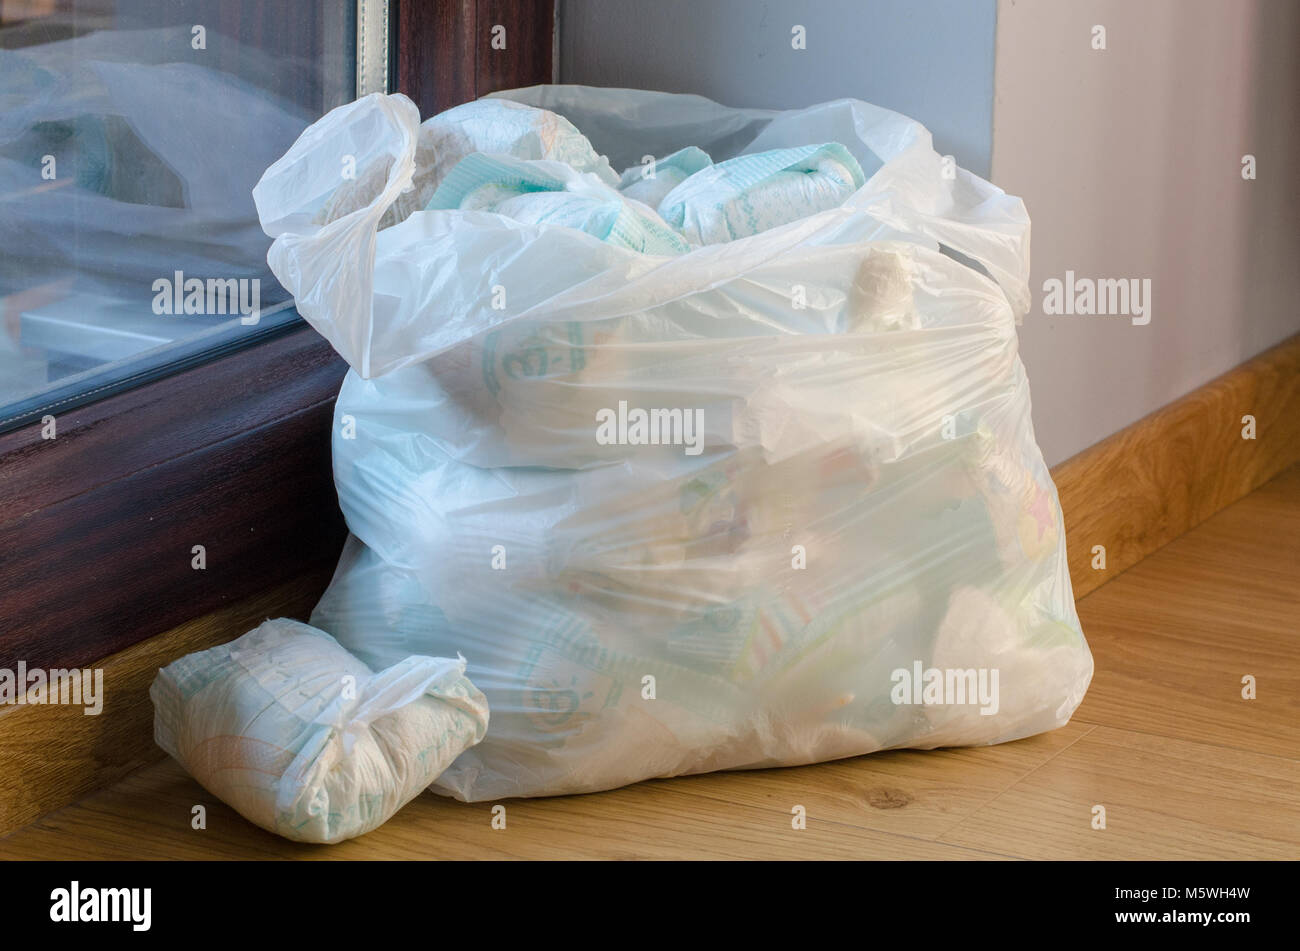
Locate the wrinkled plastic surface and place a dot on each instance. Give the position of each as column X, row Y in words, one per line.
column 867, row 497
column 301, row 738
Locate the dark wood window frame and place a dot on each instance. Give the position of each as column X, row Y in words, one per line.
column 98, row 526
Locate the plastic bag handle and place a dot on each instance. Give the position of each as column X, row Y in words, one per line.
column 330, row 268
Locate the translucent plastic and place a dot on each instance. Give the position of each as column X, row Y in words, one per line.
column 862, row 508
column 303, row 739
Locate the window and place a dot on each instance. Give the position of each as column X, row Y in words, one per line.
column 131, row 135
column 156, row 467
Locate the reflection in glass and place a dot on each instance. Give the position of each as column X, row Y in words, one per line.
column 131, row 136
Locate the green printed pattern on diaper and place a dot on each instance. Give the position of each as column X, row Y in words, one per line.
column 504, row 184
column 531, row 352
column 568, row 637
column 480, row 180
column 750, row 190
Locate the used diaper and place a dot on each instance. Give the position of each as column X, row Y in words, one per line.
column 301, row 738
column 752, row 193
column 507, row 128
column 651, row 182
column 486, row 125
column 545, row 192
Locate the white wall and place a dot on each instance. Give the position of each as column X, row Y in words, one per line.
column 1129, row 160
column 929, row 59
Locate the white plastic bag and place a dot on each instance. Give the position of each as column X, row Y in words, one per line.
column 860, row 510
column 299, row 737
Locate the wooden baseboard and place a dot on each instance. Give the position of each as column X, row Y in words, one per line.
column 1132, row 493
column 51, row 755
column 1138, row 490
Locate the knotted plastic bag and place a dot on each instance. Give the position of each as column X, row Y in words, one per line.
column 301, row 738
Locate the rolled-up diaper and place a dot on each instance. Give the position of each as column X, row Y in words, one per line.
column 486, row 125
column 508, row 128
column 752, row 193
column 650, row 183
column 302, row 739
column 545, row 192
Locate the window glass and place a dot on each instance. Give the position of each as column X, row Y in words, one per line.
column 132, row 133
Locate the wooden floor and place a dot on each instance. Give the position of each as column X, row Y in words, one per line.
column 1184, row 766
